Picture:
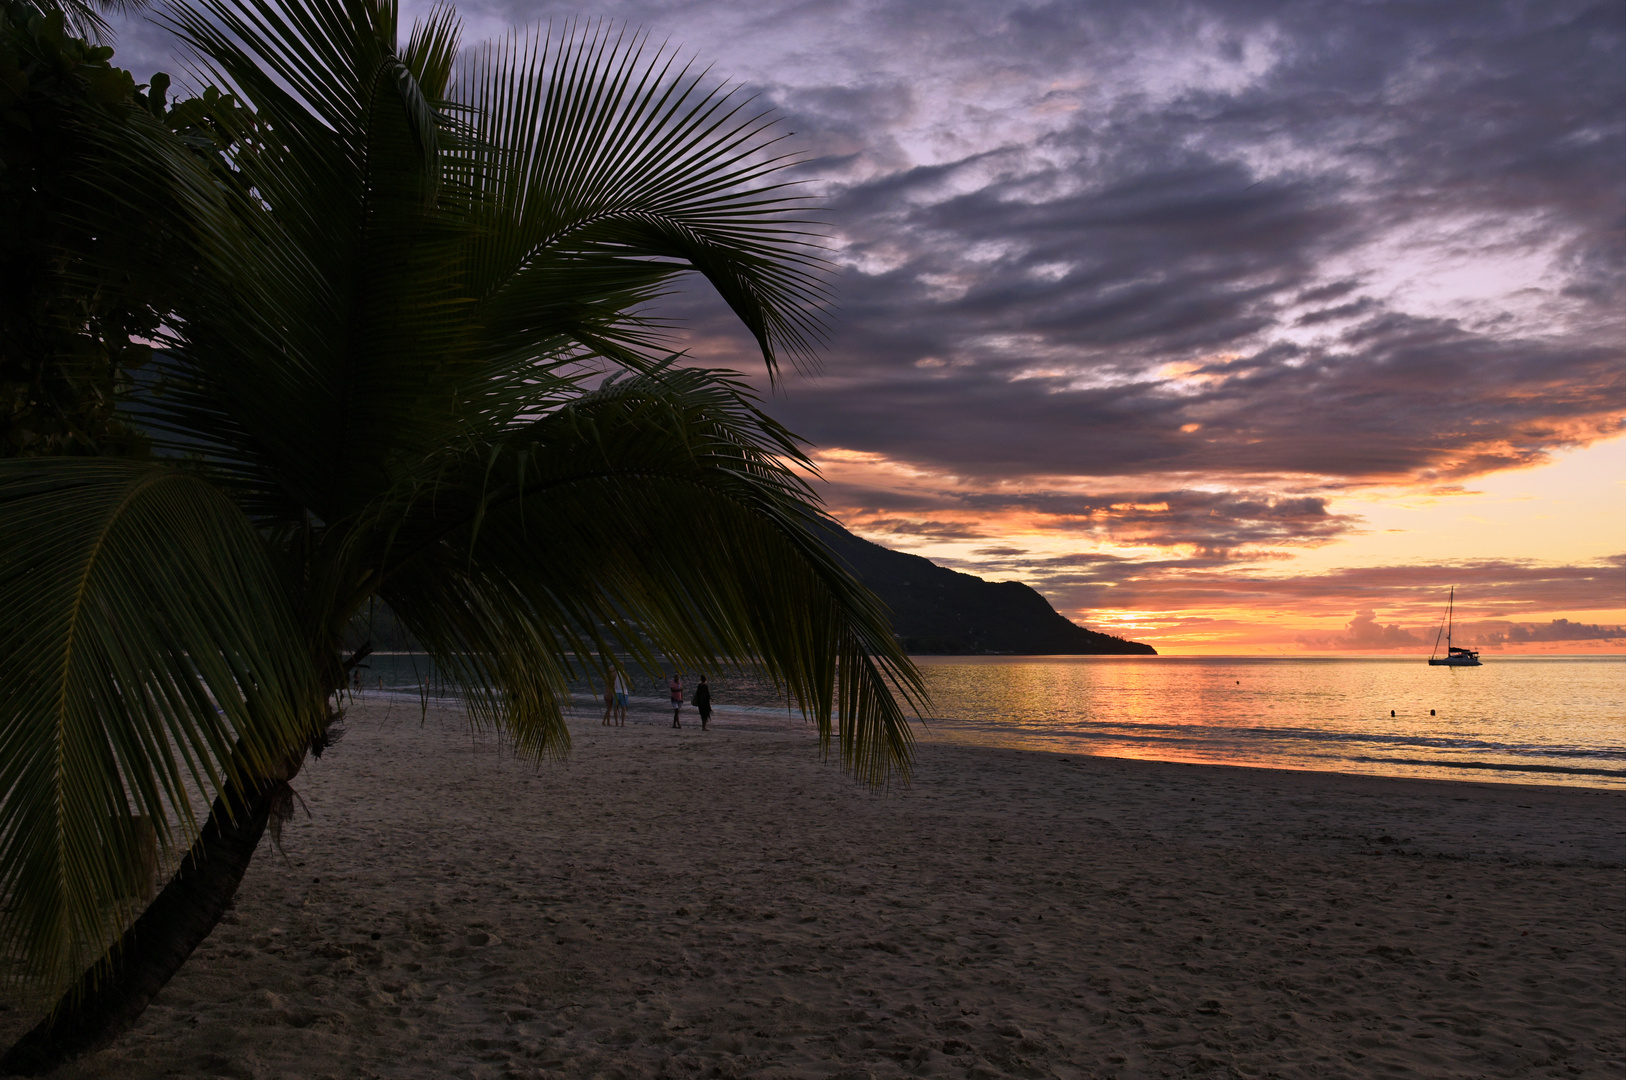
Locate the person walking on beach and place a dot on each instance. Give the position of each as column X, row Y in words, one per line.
column 621, row 691
column 609, row 699
column 702, row 702
column 676, row 689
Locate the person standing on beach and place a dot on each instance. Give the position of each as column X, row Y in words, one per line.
column 621, row 691
column 609, row 698
column 702, row 702
column 676, row 689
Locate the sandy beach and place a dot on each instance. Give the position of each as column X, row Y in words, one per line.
column 722, row 904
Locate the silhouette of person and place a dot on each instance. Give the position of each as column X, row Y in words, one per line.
column 675, row 687
column 702, row 702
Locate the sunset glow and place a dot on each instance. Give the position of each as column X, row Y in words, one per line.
column 1531, row 548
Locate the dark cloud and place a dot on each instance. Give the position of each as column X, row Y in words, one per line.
column 1413, row 595
column 1556, row 630
column 1343, row 311
column 1026, row 308
column 1366, row 633
column 1217, row 524
column 929, row 530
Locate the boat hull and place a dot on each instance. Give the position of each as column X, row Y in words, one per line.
column 1452, row 661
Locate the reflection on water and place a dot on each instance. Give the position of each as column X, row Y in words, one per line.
column 1527, row 719
column 1516, row 719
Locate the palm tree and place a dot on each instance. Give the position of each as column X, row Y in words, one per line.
column 409, row 370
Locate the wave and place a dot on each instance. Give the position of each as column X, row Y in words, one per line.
column 1497, row 766
column 1209, row 733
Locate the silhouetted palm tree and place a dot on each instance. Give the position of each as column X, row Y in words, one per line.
column 410, row 274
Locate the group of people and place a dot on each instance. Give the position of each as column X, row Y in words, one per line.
column 615, row 700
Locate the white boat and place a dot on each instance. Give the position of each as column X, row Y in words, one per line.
column 1455, row 655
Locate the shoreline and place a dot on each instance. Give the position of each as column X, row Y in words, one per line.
column 651, row 711
column 1611, row 851
column 722, row 903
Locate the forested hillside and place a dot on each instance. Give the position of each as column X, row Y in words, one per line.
column 936, row 610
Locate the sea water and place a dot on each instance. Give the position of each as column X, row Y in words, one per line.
column 1544, row 720
column 1540, row 720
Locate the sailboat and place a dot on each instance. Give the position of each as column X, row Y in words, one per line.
column 1455, row 655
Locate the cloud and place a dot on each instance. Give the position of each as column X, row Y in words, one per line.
column 1556, row 630
column 1492, row 592
column 937, row 530
column 1214, row 524
column 1390, row 249
column 1364, row 633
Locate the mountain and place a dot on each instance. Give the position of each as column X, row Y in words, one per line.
column 936, row 610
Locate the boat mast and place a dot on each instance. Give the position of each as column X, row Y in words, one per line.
column 1450, row 618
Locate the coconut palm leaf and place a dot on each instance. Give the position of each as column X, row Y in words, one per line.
column 84, row 18
column 147, row 654
column 378, row 357
column 560, row 210
column 593, row 144
column 654, row 512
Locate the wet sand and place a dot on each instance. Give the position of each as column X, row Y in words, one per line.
column 721, row 904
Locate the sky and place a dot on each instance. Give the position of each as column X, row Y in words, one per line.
column 1233, row 327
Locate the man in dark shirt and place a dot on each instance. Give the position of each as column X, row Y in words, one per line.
column 702, row 702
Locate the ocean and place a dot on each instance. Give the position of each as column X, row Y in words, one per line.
column 1517, row 719
column 1540, row 720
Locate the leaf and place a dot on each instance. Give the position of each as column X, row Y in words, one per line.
column 656, row 517
column 139, row 602
column 593, row 146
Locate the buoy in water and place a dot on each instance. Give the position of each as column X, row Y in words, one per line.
column 1431, row 712
column 1391, row 712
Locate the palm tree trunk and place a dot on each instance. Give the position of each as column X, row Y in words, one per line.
column 110, row 996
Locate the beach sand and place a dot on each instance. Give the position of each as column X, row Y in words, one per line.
column 722, row 904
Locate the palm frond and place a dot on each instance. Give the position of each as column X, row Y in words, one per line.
column 582, row 176
column 594, row 144
column 368, row 268
column 654, row 514
column 84, row 18
column 147, row 652
column 432, row 50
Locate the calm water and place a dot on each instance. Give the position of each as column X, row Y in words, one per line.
column 1541, row 720
column 1524, row 719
